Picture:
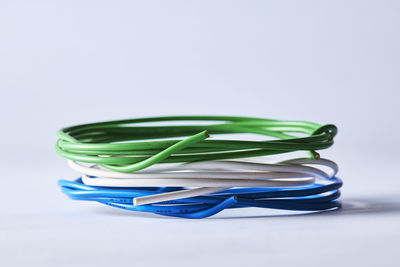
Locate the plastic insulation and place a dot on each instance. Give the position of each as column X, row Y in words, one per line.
column 108, row 143
column 114, row 159
column 317, row 197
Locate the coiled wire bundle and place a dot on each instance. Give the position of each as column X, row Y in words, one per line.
column 126, row 169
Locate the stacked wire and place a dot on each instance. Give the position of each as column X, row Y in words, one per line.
column 182, row 172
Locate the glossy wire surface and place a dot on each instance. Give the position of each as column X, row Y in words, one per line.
column 316, row 197
column 123, row 147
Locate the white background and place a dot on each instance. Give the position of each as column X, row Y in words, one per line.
column 70, row 62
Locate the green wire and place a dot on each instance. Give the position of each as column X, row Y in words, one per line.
column 110, row 145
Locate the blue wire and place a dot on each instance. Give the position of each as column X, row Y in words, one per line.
column 317, row 197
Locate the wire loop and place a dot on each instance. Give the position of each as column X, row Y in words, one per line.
column 120, row 153
column 110, row 143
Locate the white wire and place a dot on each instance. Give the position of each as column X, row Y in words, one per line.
column 177, row 195
column 212, row 169
column 210, row 178
column 196, row 182
column 324, row 162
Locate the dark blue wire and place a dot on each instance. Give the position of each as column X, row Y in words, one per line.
column 316, row 197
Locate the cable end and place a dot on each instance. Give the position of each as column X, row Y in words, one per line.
column 315, row 155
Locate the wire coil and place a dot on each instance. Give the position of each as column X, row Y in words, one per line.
column 205, row 182
column 317, row 197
